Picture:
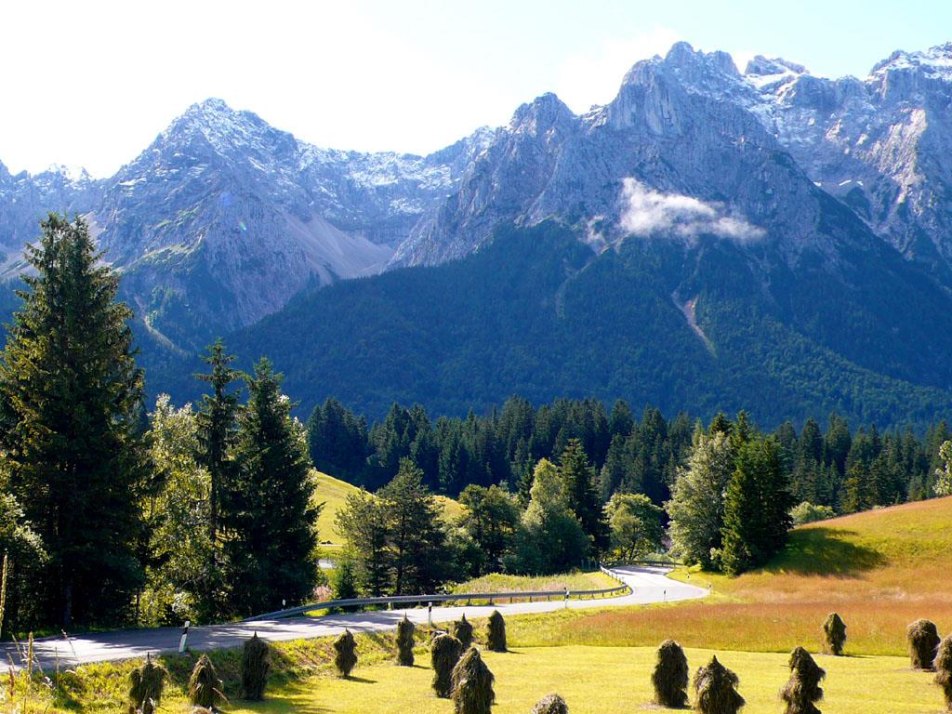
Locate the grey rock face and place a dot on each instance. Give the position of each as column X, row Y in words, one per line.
column 882, row 145
column 224, row 218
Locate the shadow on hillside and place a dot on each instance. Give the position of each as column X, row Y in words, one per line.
column 826, row 551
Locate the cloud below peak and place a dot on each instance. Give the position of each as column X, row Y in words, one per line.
column 648, row 213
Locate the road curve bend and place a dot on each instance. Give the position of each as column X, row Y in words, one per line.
column 648, row 585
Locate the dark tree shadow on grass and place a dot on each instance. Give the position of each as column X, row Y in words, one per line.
column 826, row 551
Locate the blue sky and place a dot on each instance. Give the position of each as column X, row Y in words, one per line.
column 92, row 83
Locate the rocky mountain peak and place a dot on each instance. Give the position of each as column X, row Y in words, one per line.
column 543, row 114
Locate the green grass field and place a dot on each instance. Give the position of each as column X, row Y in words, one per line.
column 497, row 582
column 880, row 570
column 596, row 680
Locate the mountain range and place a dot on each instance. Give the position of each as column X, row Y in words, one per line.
column 710, row 239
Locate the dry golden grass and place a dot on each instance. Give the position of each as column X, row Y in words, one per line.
column 880, row 570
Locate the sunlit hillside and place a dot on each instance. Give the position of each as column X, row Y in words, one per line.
column 880, row 570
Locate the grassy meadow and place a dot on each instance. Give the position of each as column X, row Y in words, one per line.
column 499, row 582
column 880, row 570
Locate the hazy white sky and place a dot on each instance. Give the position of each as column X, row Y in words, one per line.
column 91, row 83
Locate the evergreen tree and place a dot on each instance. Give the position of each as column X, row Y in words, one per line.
column 578, row 479
column 415, row 532
column 71, row 449
column 270, row 518
column 218, row 428
column 756, row 518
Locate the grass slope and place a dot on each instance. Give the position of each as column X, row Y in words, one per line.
column 880, row 570
column 333, row 493
column 498, row 582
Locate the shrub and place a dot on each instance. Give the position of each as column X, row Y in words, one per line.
column 463, row 631
column 552, row 704
column 835, row 631
column 496, row 633
column 715, row 689
column 255, row 666
column 923, row 641
column 943, row 669
column 472, row 684
column 205, row 689
column 345, row 653
column 146, row 685
column 806, row 512
column 445, row 651
column 803, row 687
column 405, row 631
column 670, row 677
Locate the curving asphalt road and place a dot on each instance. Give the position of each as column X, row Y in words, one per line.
column 648, row 585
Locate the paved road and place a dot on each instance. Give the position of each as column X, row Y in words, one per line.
column 649, row 585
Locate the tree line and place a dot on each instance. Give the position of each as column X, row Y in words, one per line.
column 836, row 467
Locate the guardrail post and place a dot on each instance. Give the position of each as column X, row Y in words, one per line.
column 181, row 646
column 429, row 613
column 566, row 598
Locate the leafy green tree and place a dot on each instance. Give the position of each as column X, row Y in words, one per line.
column 578, row 481
column 696, row 508
column 806, row 512
column 943, row 483
column 635, row 524
column 182, row 583
column 270, row 520
column 415, row 532
column 491, row 519
column 71, row 451
column 553, row 539
column 756, row 518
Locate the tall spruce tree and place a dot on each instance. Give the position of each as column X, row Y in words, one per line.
column 269, row 515
column 216, row 432
column 415, row 532
column 70, row 446
column 578, row 479
column 756, row 507
column 218, row 427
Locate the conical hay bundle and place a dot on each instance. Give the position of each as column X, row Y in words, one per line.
column 496, row 633
column 835, row 631
column 204, row 687
column 146, row 685
column 255, row 666
column 923, row 642
column 551, row 704
column 715, row 688
column 803, row 688
column 405, row 630
column 445, row 651
column 463, row 631
column 472, row 684
column 670, row 676
column 345, row 653
column 943, row 669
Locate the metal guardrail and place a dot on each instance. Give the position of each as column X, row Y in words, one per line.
column 442, row 598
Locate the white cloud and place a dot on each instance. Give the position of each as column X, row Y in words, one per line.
column 594, row 77
column 646, row 212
